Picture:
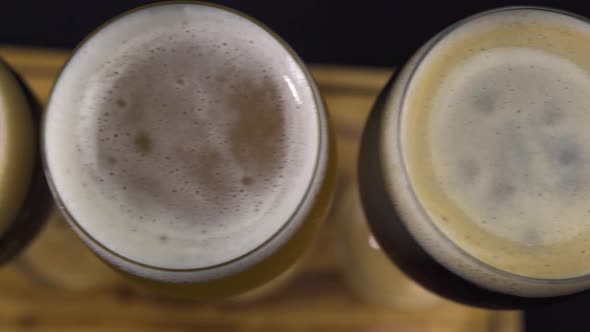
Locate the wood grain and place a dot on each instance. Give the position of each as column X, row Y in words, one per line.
column 317, row 300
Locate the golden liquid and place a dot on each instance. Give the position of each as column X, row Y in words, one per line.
column 24, row 195
column 17, row 149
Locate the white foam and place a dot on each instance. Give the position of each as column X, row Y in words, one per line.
column 182, row 136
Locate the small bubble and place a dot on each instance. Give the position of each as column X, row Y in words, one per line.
column 568, row 154
column 485, row 103
column 143, row 143
column 121, row 103
column 468, row 170
column 246, row 180
column 501, row 191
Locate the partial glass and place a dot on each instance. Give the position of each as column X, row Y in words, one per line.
column 24, row 196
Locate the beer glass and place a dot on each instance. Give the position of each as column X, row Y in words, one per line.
column 189, row 148
column 473, row 163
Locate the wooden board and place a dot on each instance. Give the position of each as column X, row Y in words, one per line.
column 316, row 300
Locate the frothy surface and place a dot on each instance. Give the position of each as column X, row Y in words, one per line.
column 182, row 136
column 497, row 141
column 525, row 113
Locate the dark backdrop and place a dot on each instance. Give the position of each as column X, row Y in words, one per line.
column 375, row 33
column 343, row 32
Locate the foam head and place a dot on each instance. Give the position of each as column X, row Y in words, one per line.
column 182, row 136
column 494, row 138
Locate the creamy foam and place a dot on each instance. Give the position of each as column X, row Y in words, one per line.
column 182, row 136
column 496, row 142
column 524, row 170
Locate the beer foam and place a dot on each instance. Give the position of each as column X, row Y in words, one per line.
column 182, row 136
column 524, row 168
column 496, row 143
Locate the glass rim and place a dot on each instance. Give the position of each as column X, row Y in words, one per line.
column 319, row 169
column 429, row 46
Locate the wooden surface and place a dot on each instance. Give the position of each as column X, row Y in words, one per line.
column 317, row 300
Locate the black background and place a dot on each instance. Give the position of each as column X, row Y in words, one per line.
column 375, row 33
column 369, row 33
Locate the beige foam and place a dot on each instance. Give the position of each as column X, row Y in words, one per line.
column 495, row 139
